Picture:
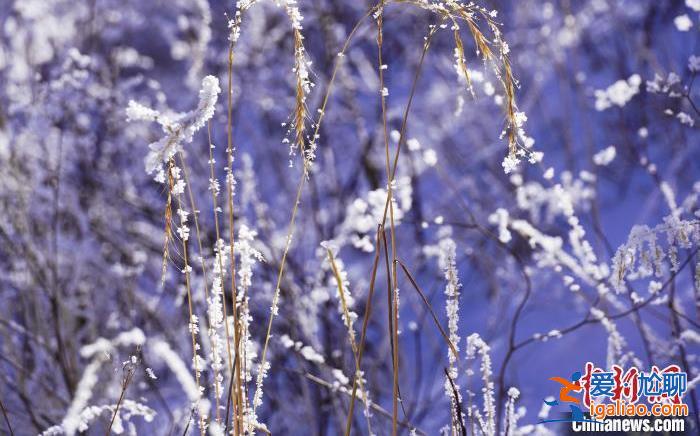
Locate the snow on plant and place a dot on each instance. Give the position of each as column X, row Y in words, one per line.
column 605, row 156
column 617, row 94
column 216, row 316
column 447, row 261
column 165, row 353
column 179, row 128
column 477, row 348
column 445, row 251
column 643, row 255
column 125, row 411
column 616, row 342
column 338, row 281
column 511, row 416
column 80, row 414
column 168, row 307
column 248, row 256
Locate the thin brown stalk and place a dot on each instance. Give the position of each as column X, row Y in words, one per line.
column 357, row 380
column 203, row 265
column 237, row 390
column 191, row 311
column 195, row 213
column 215, row 202
column 393, row 307
column 389, row 206
column 429, row 307
column 363, row 335
column 457, row 415
column 125, row 383
column 295, row 208
column 7, row 419
column 377, row 408
column 389, row 306
column 168, row 226
column 276, row 295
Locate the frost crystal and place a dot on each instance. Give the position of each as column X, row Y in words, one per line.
column 618, row 94
column 179, row 129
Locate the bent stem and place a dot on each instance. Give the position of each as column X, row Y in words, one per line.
column 365, row 322
column 353, row 343
column 125, row 383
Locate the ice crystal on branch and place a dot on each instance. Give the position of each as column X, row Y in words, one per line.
column 643, row 255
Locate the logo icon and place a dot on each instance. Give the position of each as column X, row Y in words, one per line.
column 565, row 396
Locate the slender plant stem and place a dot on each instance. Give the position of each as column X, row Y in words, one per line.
column 7, row 419
column 125, row 383
column 365, row 322
column 295, row 208
column 237, row 390
column 189, row 305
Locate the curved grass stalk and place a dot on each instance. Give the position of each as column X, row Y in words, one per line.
column 353, row 342
column 263, row 360
column 190, row 309
column 203, row 264
column 393, row 307
column 365, row 323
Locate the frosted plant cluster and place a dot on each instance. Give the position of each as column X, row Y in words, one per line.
column 617, row 94
column 329, row 217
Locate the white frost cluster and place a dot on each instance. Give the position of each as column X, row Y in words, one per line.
column 477, row 346
column 616, row 342
column 572, row 193
column 683, row 23
column 618, row 94
column 343, row 290
column 525, row 150
column 163, row 352
column 128, row 409
column 605, row 156
column 694, row 63
column 248, row 255
column 511, row 415
column 665, row 85
column 306, row 351
column 216, row 315
column 581, row 260
column 685, row 119
column 643, row 255
column 446, row 252
column 500, row 219
column 363, row 214
column 99, row 351
column 179, row 129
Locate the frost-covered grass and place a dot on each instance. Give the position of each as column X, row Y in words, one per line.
column 273, row 217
